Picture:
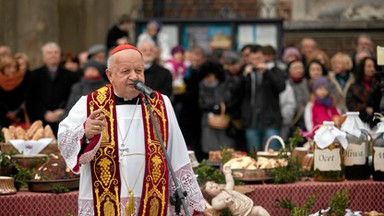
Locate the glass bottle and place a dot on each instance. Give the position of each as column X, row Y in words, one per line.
column 378, row 154
column 356, row 155
column 329, row 153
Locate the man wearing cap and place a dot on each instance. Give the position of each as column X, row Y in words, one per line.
column 109, row 139
column 98, row 53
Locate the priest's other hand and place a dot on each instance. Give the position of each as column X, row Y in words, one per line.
column 95, row 124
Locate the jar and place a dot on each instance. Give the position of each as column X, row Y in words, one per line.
column 378, row 154
column 356, row 155
column 330, row 143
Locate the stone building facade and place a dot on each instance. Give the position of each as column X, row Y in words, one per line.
column 77, row 24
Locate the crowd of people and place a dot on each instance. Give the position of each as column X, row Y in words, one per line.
column 263, row 95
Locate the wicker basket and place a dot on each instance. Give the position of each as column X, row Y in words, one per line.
column 7, row 185
column 266, row 152
column 220, row 121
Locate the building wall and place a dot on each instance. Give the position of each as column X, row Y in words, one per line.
column 74, row 24
column 77, row 24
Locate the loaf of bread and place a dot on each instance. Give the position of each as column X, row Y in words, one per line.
column 39, row 134
column 33, row 129
column 12, row 129
column 48, row 133
column 7, row 134
column 20, row 133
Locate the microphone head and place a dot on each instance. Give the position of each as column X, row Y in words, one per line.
column 140, row 86
column 137, row 83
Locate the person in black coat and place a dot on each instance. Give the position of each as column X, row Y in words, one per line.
column 49, row 87
column 119, row 33
column 156, row 76
column 189, row 113
column 259, row 94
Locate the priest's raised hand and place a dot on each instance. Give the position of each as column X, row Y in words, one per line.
column 95, row 124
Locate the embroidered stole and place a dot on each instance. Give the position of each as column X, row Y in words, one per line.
column 105, row 165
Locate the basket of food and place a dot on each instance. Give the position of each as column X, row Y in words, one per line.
column 248, row 169
column 270, row 153
column 215, row 158
column 37, row 139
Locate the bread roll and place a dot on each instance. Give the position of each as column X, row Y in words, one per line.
column 20, row 133
column 12, row 129
column 33, row 129
column 7, row 134
column 39, row 134
column 48, row 133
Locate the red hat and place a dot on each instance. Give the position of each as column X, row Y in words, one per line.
column 123, row 47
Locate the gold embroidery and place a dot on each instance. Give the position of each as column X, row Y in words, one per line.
column 108, row 207
column 97, row 201
column 104, row 164
column 157, row 176
column 112, row 126
column 154, row 206
column 117, row 200
column 145, row 198
column 101, row 96
column 163, row 198
column 156, row 173
column 105, row 174
column 105, row 135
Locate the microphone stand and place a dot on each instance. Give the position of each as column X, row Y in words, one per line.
column 178, row 197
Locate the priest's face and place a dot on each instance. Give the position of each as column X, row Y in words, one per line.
column 124, row 68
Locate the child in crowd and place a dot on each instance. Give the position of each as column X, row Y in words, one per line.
column 323, row 108
column 178, row 69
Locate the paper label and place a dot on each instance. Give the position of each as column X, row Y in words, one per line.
column 378, row 162
column 355, row 154
column 327, row 160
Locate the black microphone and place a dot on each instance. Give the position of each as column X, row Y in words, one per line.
column 141, row 87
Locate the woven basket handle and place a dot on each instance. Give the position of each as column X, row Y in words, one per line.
column 222, row 108
column 272, row 138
